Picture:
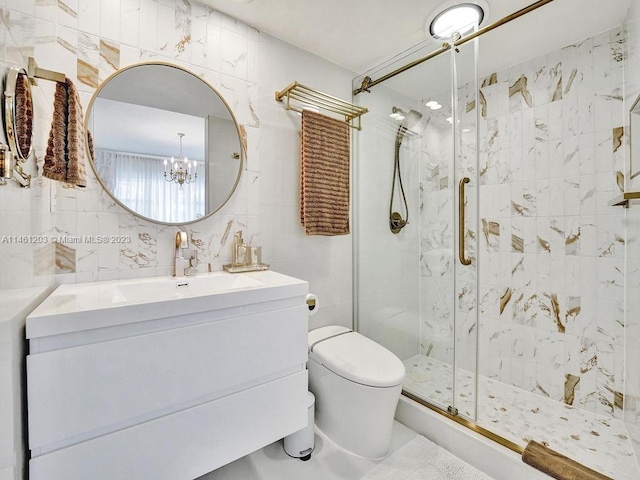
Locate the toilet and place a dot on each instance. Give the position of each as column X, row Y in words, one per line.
column 357, row 384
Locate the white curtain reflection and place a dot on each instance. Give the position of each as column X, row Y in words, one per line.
column 138, row 182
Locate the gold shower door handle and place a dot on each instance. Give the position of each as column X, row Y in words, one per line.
column 461, row 236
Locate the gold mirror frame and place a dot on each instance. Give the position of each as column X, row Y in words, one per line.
column 89, row 141
column 11, row 122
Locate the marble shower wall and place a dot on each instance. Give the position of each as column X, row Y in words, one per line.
column 448, row 289
column 551, row 251
column 90, row 39
column 437, row 234
column 632, row 317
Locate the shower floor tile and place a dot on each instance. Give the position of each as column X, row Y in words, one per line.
column 598, row 442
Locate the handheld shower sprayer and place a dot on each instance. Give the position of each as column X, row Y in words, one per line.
column 409, row 120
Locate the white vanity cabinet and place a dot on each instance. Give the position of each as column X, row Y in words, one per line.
column 151, row 379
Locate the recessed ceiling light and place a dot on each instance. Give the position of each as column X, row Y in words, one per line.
column 437, row 106
column 397, row 114
column 456, row 16
column 431, row 103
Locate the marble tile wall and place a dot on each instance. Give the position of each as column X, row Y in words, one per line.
column 632, row 286
column 550, row 249
column 90, row 39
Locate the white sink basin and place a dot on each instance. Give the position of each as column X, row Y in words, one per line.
column 166, row 288
column 87, row 306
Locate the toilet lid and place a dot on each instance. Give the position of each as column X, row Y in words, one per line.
column 356, row 358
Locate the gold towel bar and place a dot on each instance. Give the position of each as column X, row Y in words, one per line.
column 35, row 72
column 307, row 97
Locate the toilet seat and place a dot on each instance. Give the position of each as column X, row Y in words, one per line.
column 355, row 357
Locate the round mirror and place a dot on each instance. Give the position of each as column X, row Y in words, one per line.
column 164, row 143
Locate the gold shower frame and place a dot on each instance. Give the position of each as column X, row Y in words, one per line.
column 367, row 82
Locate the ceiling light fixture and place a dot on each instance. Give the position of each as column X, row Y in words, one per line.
column 456, row 17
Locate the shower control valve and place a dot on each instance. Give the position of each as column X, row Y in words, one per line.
column 396, row 222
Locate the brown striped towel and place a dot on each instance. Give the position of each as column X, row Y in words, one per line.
column 24, row 115
column 324, row 175
column 66, row 150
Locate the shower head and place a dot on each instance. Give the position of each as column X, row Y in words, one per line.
column 409, row 120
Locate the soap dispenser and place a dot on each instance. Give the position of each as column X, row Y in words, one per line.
column 239, row 250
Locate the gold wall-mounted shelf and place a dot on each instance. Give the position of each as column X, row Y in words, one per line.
column 624, row 199
column 305, row 97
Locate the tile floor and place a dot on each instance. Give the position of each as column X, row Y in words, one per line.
column 598, row 442
column 328, row 462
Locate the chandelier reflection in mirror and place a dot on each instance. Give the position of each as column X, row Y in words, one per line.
column 181, row 169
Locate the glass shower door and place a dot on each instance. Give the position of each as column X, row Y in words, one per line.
column 430, row 373
column 412, row 294
column 467, row 105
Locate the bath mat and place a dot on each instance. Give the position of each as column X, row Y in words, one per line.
column 421, row 459
column 557, row 465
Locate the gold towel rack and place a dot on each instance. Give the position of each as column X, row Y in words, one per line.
column 308, row 97
column 35, row 72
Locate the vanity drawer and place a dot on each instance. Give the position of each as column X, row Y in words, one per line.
column 186, row 444
column 79, row 393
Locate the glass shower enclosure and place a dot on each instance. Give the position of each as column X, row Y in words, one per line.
column 416, row 287
column 503, row 292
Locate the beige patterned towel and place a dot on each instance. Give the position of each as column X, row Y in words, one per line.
column 66, row 150
column 324, row 175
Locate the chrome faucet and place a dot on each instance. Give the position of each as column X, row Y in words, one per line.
column 182, row 265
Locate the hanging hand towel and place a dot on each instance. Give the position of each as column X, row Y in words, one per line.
column 324, row 175
column 24, row 115
column 65, row 157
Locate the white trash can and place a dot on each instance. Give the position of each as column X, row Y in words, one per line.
column 301, row 443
